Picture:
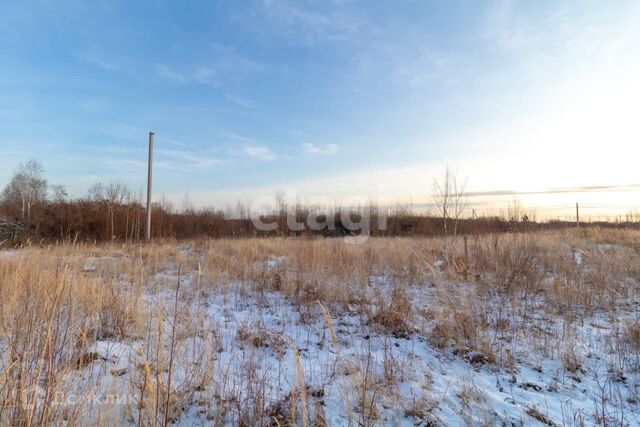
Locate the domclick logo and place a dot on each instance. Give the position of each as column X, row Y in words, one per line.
column 35, row 397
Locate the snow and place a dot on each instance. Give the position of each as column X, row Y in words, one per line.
column 237, row 330
column 274, row 262
column 8, row 254
column 578, row 256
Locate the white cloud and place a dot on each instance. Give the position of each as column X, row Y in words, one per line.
column 229, row 60
column 123, row 158
column 507, row 30
column 199, row 75
column 260, row 152
column 244, row 103
column 185, row 160
column 319, row 150
column 239, row 138
column 171, row 74
column 301, row 24
column 227, row 64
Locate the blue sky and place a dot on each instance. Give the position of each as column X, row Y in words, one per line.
column 343, row 99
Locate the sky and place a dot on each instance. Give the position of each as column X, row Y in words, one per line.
column 341, row 100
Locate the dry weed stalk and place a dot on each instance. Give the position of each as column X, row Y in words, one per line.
column 59, row 301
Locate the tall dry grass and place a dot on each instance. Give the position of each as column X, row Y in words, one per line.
column 58, row 301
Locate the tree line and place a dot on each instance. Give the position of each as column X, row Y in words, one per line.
column 113, row 212
column 108, row 211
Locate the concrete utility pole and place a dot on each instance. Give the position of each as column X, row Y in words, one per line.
column 577, row 216
column 147, row 234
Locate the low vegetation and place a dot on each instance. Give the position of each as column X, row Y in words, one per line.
column 520, row 329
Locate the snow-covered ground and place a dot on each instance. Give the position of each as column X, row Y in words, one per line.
column 411, row 382
column 239, row 353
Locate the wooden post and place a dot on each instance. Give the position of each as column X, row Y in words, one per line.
column 466, row 257
column 577, row 216
column 149, row 185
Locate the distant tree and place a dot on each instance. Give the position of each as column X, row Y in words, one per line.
column 96, row 192
column 515, row 211
column 59, row 193
column 110, row 196
column 449, row 197
column 27, row 188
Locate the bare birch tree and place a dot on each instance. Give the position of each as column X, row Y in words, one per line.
column 27, row 188
column 450, row 199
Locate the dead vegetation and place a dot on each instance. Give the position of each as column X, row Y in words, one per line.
column 59, row 302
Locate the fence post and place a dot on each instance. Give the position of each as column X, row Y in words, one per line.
column 466, row 257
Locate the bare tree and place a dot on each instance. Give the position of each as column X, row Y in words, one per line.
column 450, row 199
column 515, row 211
column 111, row 196
column 59, row 193
column 116, row 194
column 96, row 192
column 283, row 208
column 241, row 211
column 27, row 188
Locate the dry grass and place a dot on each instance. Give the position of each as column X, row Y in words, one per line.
column 58, row 301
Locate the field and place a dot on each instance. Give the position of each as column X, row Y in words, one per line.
column 519, row 329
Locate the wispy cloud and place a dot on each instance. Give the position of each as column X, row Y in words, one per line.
column 225, row 63
column 246, row 146
column 239, row 138
column 565, row 30
column 314, row 149
column 128, row 159
column 567, row 190
column 125, row 165
column 185, row 160
column 171, row 74
column 121, row 149
column 507, row 30
column 99, row 61
column 204, row 75
column 244, row 103
column 299, row 23
column 227, row 59
column 261, row 152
